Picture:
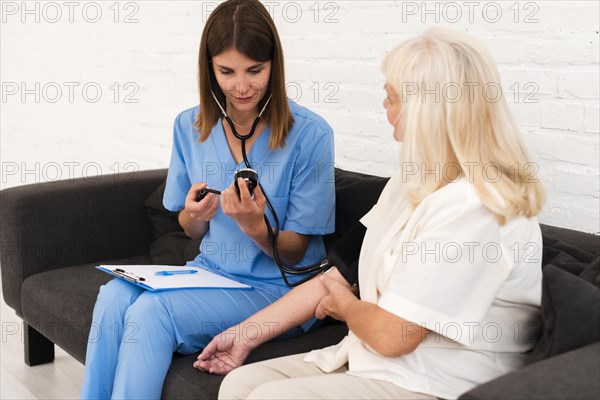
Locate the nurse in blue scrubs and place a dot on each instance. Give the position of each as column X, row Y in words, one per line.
column 241, row 72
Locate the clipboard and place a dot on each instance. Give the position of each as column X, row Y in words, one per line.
column 144, row 276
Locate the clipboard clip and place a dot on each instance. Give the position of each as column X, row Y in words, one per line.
column 129, row 275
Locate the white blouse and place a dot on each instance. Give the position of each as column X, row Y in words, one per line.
column 449, row 266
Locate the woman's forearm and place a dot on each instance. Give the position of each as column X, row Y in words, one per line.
column 293, row 309
column 385, row 332
column 192, row 227
column 291, row 246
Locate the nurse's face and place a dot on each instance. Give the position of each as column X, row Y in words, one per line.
column 242, row 80
column 392, row 106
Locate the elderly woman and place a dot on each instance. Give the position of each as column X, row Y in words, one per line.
column 450, row 267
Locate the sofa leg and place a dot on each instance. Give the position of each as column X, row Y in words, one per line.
column 38, row 349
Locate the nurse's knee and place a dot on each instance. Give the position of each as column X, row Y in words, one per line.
column 118, row 294
column 148, row 310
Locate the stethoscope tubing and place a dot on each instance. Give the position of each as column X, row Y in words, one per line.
column 272, row 233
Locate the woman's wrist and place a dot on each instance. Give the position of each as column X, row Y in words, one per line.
column 192, row 227
column 348, row 303
column 252, row 334
column 257, row 232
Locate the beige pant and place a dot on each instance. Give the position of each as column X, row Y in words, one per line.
column 291, row 378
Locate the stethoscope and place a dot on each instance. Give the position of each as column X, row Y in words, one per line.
column 273, row 234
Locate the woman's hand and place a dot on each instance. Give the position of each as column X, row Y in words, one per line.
column 377, row 327
column 224, row 353
column 248, row 212
column 202, row 210
column 337, row 301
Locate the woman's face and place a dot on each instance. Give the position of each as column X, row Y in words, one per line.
column 242, row 80
column 392, row 106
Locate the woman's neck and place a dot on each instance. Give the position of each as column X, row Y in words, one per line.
column 243, row 130
column 242, row 119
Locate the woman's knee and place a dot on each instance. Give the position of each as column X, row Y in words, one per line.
column 276, row 390
column 117, row 294
column 149, row 312
column 243, row 381
column 240, row 382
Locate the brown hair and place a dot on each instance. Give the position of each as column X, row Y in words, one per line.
column 246, row 26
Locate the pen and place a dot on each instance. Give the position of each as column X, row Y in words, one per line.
column 176, row 272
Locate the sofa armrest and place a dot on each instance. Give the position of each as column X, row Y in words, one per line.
column 52, row 225
column 571, row 375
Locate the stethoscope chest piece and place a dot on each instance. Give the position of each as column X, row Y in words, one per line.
column 249, row 176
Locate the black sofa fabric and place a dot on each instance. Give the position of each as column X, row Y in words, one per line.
column 570, row 309
column 59, row 224
column 61, row 303
column 572, row 375
column 48, row 255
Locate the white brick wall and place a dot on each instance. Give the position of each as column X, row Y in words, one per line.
column 547, row 53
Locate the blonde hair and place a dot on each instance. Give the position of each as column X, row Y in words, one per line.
column 449, row 119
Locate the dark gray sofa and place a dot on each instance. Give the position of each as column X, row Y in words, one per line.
column 54, row 234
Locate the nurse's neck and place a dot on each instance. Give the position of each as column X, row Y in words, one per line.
column 242, row 120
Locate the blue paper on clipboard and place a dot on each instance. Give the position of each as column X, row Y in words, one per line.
column 145, row 276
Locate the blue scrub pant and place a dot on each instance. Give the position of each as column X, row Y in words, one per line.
column 135, row 332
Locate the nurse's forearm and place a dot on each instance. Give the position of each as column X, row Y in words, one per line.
column 192, row 227
column 291, row 246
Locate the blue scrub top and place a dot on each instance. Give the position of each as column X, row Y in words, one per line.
column 298, row 180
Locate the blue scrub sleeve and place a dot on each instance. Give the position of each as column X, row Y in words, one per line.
column 311, row 205
column 178, row 181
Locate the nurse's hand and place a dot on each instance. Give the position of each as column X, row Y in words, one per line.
column 248, row 212
column 202, row 210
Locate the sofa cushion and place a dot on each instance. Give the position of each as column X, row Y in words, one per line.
column 586, row 242
column 572, row 375
column 163, row 221
column 170, row 246
column 565, row 255
column 355, row 195
column 174, row 248
column 59, row 303
column 570, row 306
